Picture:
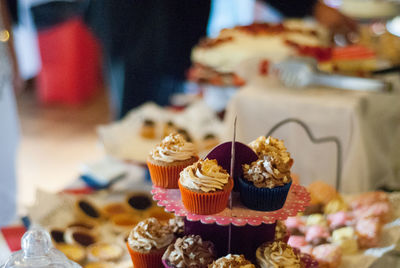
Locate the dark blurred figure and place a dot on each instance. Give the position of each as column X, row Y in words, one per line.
column 147, row 44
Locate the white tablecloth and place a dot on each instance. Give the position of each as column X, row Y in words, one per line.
column 367, row 125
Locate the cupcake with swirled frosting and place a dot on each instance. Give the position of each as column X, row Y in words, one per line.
column 148, row 241
column 232, row 261
column 169, row 158
column 189, row 251
column 277, row 254
column 205, row 187
column 266, row 182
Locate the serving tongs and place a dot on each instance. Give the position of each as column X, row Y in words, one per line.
column 303, row 72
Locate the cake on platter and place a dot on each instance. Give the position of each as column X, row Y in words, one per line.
column 216, row 59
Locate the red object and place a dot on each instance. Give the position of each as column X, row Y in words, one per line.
column 84, row 190
column 71, row 69
column 353, row 52
column 321, row 54
column 12, row 235
column 264, row 67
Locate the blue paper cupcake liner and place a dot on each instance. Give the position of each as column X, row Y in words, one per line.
column 263, row 199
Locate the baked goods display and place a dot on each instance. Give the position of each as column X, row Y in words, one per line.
column 205, row 188
column 132, row 138
column 132, row 229
column 333, row 227
column 93, row 230
column 215, row 59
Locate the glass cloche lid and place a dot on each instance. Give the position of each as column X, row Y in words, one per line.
column 38, row 252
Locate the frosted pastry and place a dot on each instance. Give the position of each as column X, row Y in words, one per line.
column 232, row 261
column 277, row 254
column 328, row 255
column 281, row 232
column 345, row 238
column 189, row 251
column 368, row 231
column 295, row 225
column 340, row 219
column 335, row 205
column 169, row 158
column 316, row 219
column 205, row 187
column 148, row 241
column 317, row 235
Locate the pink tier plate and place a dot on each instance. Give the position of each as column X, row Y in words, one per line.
column 298, row 199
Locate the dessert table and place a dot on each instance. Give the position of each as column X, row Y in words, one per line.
column 367, row 126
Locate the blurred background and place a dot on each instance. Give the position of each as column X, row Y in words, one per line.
column 74, row 65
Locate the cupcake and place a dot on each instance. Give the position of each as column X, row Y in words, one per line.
column 328, row 255
column 346, row 239
column 148, row 241
column 205, row 187
column 169, row 158
column 281, row 232
column 232, row 261
column 277, row 254
column 177, row 225
column 189, row 251
column 266, row 182
column 317, row 235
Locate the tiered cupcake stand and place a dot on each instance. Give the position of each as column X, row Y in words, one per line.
column 236, row 229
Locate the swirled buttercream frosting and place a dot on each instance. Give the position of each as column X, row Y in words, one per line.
column 173, row 148
column 189, row 251
column 205, row 176
column 232, row 261
column 272, row 169
column 277, row 255
column 150, row 234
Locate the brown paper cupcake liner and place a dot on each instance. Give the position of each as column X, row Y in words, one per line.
column 205, row 203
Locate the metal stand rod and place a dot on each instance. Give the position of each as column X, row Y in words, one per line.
column 316, row 141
